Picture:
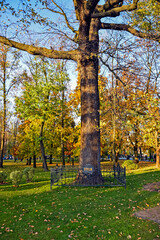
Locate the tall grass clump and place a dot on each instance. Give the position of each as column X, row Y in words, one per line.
column 16, row 177
column 3, row 177
column 130, row 165
column 28, row 172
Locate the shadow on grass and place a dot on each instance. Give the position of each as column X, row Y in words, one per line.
column 134, row 182
column 25, row 186
column 136, row 179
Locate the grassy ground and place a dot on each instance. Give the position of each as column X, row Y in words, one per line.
column 32, row 211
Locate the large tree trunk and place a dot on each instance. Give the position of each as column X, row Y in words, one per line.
column 90, row 127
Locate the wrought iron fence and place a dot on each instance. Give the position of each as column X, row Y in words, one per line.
column 67, row 176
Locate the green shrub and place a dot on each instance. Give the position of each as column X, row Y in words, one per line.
column 16, row 177
column 3, row 177
column 130, row 165
column 28, row 173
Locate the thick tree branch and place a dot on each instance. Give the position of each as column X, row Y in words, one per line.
column 115, row 11
column 128, row 28
column 77, row 6
column 108, row 5
column 41, row 51
column 111, row 3
column 91, row 4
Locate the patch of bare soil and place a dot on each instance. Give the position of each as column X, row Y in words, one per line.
column 152, row 214
column 152, row 187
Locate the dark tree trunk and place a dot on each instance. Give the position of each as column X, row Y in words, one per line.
column 43, row 149
column 90, row 127
column 140, row 153
column 117, row 156
column 50, row 159
column 34, row 161
column 29, row 161
column 72, row 161
column 136, row 145
column 1, row 158
column 3, row 141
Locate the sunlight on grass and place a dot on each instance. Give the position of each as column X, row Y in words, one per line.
column 32, row 211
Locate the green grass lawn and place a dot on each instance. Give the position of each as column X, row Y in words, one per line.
column 32, row 211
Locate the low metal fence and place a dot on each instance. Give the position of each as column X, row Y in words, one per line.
column 67, row 176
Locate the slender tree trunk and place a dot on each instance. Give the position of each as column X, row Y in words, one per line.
column 114, row 118
column 2, row 151
column 50, row 159
column 140, row 153
column 29, row 162
column 72, row 161
column 117, row 156
column 90, row 126
column 34, row 161
column 50, row 156
column 157, row 157
column 136, row 145
column 62, row 141
column 157, row 151
column 43, row 149
column 4, row 113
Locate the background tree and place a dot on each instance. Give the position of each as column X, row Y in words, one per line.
column 8, row 66
column 43, row 100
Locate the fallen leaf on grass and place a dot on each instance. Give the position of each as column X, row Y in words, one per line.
column 129, row 237
column 31, row 226
column 8, row 230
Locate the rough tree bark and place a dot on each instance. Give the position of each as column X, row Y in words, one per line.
column 90, row 126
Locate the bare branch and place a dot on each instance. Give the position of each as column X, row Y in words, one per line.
column 116, row 76
column 128, row 28
column 63, row 14
column 41, row 51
